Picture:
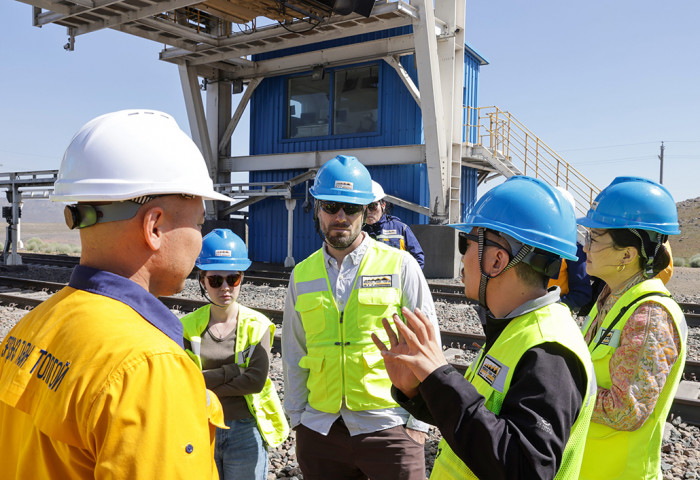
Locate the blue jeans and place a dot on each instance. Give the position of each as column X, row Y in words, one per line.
column 240, row 451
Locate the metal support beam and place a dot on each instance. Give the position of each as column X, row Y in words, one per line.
column 225, row 141
column 450, row 47
column 198, row 123
column 151, row 9
column 290, row 204
column 437, row 155
column 405, row 78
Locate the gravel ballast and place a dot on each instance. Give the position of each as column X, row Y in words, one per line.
column 681, row 447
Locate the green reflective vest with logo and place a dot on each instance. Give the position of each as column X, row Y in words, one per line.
column 635, row 454
column 264, row 406
column 343, row 362
column 491, row 374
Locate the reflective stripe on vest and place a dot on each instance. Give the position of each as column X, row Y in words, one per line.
column 492, row 374
column 635, row 454
column 343, row 362
column 264, row 406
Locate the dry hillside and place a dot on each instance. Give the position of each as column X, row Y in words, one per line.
column 687, row 243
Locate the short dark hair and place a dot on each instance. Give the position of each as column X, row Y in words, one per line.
column 529, row 276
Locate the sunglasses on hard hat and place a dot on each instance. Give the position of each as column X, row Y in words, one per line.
column 464, row 236
column 334, row 207
column 232, row 280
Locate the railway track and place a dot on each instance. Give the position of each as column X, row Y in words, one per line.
column 27, row 294
column 451, row 293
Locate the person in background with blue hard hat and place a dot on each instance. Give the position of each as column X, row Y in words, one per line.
column 336, row 388
column 574, row 282
column 390, row 229
column 523, row 408
column 94, row 382
column 636, row 332
column 231, row 344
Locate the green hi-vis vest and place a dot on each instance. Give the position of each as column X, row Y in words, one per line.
column 343, row 362
column 492, row 373
column 264, row 406
column 634, row 454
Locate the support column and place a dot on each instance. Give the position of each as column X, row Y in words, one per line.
column 218, row 113
column 12, row 257
column 290, row 204
column 436, row 152
column 198, row 123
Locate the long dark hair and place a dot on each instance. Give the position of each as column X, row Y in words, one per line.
column 646, row 247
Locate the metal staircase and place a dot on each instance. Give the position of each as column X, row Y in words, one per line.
column 499, row 144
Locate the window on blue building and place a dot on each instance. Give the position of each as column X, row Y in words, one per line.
column 354, row 106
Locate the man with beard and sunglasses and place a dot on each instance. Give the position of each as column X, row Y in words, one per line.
column 337, row 390
column 523, row 408
column 390, row 229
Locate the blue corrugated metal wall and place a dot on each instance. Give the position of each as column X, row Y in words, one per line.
column 399, row 124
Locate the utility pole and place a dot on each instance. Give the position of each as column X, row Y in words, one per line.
column 661, row 171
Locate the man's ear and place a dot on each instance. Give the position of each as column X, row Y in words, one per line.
column 495, row 261
column 152, row 226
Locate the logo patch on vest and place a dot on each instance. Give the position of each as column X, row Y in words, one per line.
column 344, row 185
column 371, row 281
column 494, row 373
column 222, row 253
column 389, row 232
column 611, row 338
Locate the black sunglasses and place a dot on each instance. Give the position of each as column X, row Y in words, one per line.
column 334, row 207
column 373, row 206
column 232, row 280
column 464, row 236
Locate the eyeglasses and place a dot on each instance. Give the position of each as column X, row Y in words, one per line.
column 334, row 207
column 232, row 280
column 373, row 206
column 464, row 236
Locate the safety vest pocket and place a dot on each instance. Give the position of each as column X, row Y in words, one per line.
column 375, row 304
column 314, row 364
column 313, row 315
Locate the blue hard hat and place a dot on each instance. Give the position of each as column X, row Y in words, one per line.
column 343, row 179
column 633, row 202
column 223, row 250
column 530, row 211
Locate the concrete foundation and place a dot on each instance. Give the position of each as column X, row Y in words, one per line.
column 439, row 242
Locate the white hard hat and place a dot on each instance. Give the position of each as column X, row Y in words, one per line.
column 129, row 154
column 377, row 191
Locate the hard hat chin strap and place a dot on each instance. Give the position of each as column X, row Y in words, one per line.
column 524, row 251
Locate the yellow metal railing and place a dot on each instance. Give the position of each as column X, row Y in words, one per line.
column 510, row 141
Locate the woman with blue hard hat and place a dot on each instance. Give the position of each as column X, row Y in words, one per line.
column 523, row 408
column 231, row 344
column 636, row 332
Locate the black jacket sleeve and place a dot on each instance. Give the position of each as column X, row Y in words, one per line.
column 527, row 438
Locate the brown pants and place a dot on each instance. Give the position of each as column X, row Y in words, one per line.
column 384, row 455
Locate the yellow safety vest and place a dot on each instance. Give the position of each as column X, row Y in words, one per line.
column 491, row 375
column 264, row 406
column 343, row 362
column 634, row 454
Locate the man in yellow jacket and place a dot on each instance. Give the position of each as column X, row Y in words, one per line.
column 94, row 382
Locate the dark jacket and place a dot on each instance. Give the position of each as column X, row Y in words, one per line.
column 389, row 229
column 549, row 382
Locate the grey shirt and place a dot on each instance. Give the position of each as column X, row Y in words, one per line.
column 229, row 381
column 414, row 293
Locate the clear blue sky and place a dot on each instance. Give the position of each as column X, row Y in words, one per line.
column 601, row 82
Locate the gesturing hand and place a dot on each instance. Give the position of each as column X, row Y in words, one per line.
column 414, row 353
